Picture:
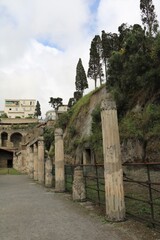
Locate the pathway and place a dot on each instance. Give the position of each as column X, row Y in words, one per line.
column 28, row 211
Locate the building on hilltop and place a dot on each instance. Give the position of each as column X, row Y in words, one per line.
column 51, row 115
column 20, row 108
column 62, row 109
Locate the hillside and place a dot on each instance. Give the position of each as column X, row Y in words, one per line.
column 139, row 130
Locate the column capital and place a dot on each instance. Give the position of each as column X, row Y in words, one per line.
column 58, row 132
column 41, row 138
column 108, row 103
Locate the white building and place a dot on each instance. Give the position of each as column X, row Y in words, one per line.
column 62, row 109
column 21, row 108
column 51, row 115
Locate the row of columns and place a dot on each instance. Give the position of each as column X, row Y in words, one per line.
column 31, row 160
column 113, row 173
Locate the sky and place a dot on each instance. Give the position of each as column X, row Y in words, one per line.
column 42, row 41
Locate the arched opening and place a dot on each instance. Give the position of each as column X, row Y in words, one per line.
column 16, row 139
column 4, row 137
column 6, row 159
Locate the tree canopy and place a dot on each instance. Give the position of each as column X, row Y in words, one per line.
column 148, row 16
column 81, row 78
column 95, row 70
column 56, row 102
column 38, row 109
column 133, row 70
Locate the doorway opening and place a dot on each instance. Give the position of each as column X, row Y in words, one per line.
column 9, row 163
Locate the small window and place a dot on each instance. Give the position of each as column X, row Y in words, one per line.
column 10, row 108
column 30, row 103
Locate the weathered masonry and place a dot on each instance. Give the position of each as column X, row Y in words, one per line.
column 15, row 135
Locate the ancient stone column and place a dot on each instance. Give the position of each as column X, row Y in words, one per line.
column 78, row 187
column 15, row 161
column 59, row 161
column 113, row 173
column 48, row 173
column 0, row 140
column 19, row 162
column 35, row 155
column 31, row 162
column 28, row 159
column 40, row 160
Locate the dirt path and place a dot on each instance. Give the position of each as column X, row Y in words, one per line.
column 28, row 211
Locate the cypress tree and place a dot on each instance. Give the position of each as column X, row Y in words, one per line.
column 81, row 78
column 95, row 70
column 148, row 16
column 38, row 109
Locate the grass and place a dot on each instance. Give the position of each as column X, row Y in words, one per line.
column 91, row 189
column 84, row 101
column 10, row 171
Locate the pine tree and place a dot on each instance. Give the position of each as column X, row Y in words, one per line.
column 109, row 44
column 95, row 70
column 148, row 16
column 38, row 109
column 81, row 78
column 71, row 102
column 56, row 102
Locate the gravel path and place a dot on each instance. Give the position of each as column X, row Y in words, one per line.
column 28, row 211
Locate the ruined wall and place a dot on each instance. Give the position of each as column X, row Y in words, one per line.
column 133, row 149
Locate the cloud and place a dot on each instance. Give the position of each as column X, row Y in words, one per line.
column 41, row 43
column 111, row 14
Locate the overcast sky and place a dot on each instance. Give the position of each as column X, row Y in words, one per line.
column 41, row 42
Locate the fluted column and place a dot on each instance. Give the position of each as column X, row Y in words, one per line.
column 59, row 161
column 31, row 162
column 27, row 158
column 41, row 160
column 35, row 155
column 48, row 173
column 113, row 173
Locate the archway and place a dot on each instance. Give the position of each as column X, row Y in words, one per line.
column 16, row 139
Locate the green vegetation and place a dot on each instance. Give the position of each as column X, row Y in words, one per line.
column 95, row 70
column 3, row 115
column 38, row 109
column 68, row 122
column 82, row 103
column 131, row 59
column 143, row 124
column 96, row 135
column 48, row 137
column 11, row 171
column 56, row 102
column 81, row 78
column 63, row 120
column 148, row 17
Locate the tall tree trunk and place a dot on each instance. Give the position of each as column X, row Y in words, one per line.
column 105, row 66
column 95, row 80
